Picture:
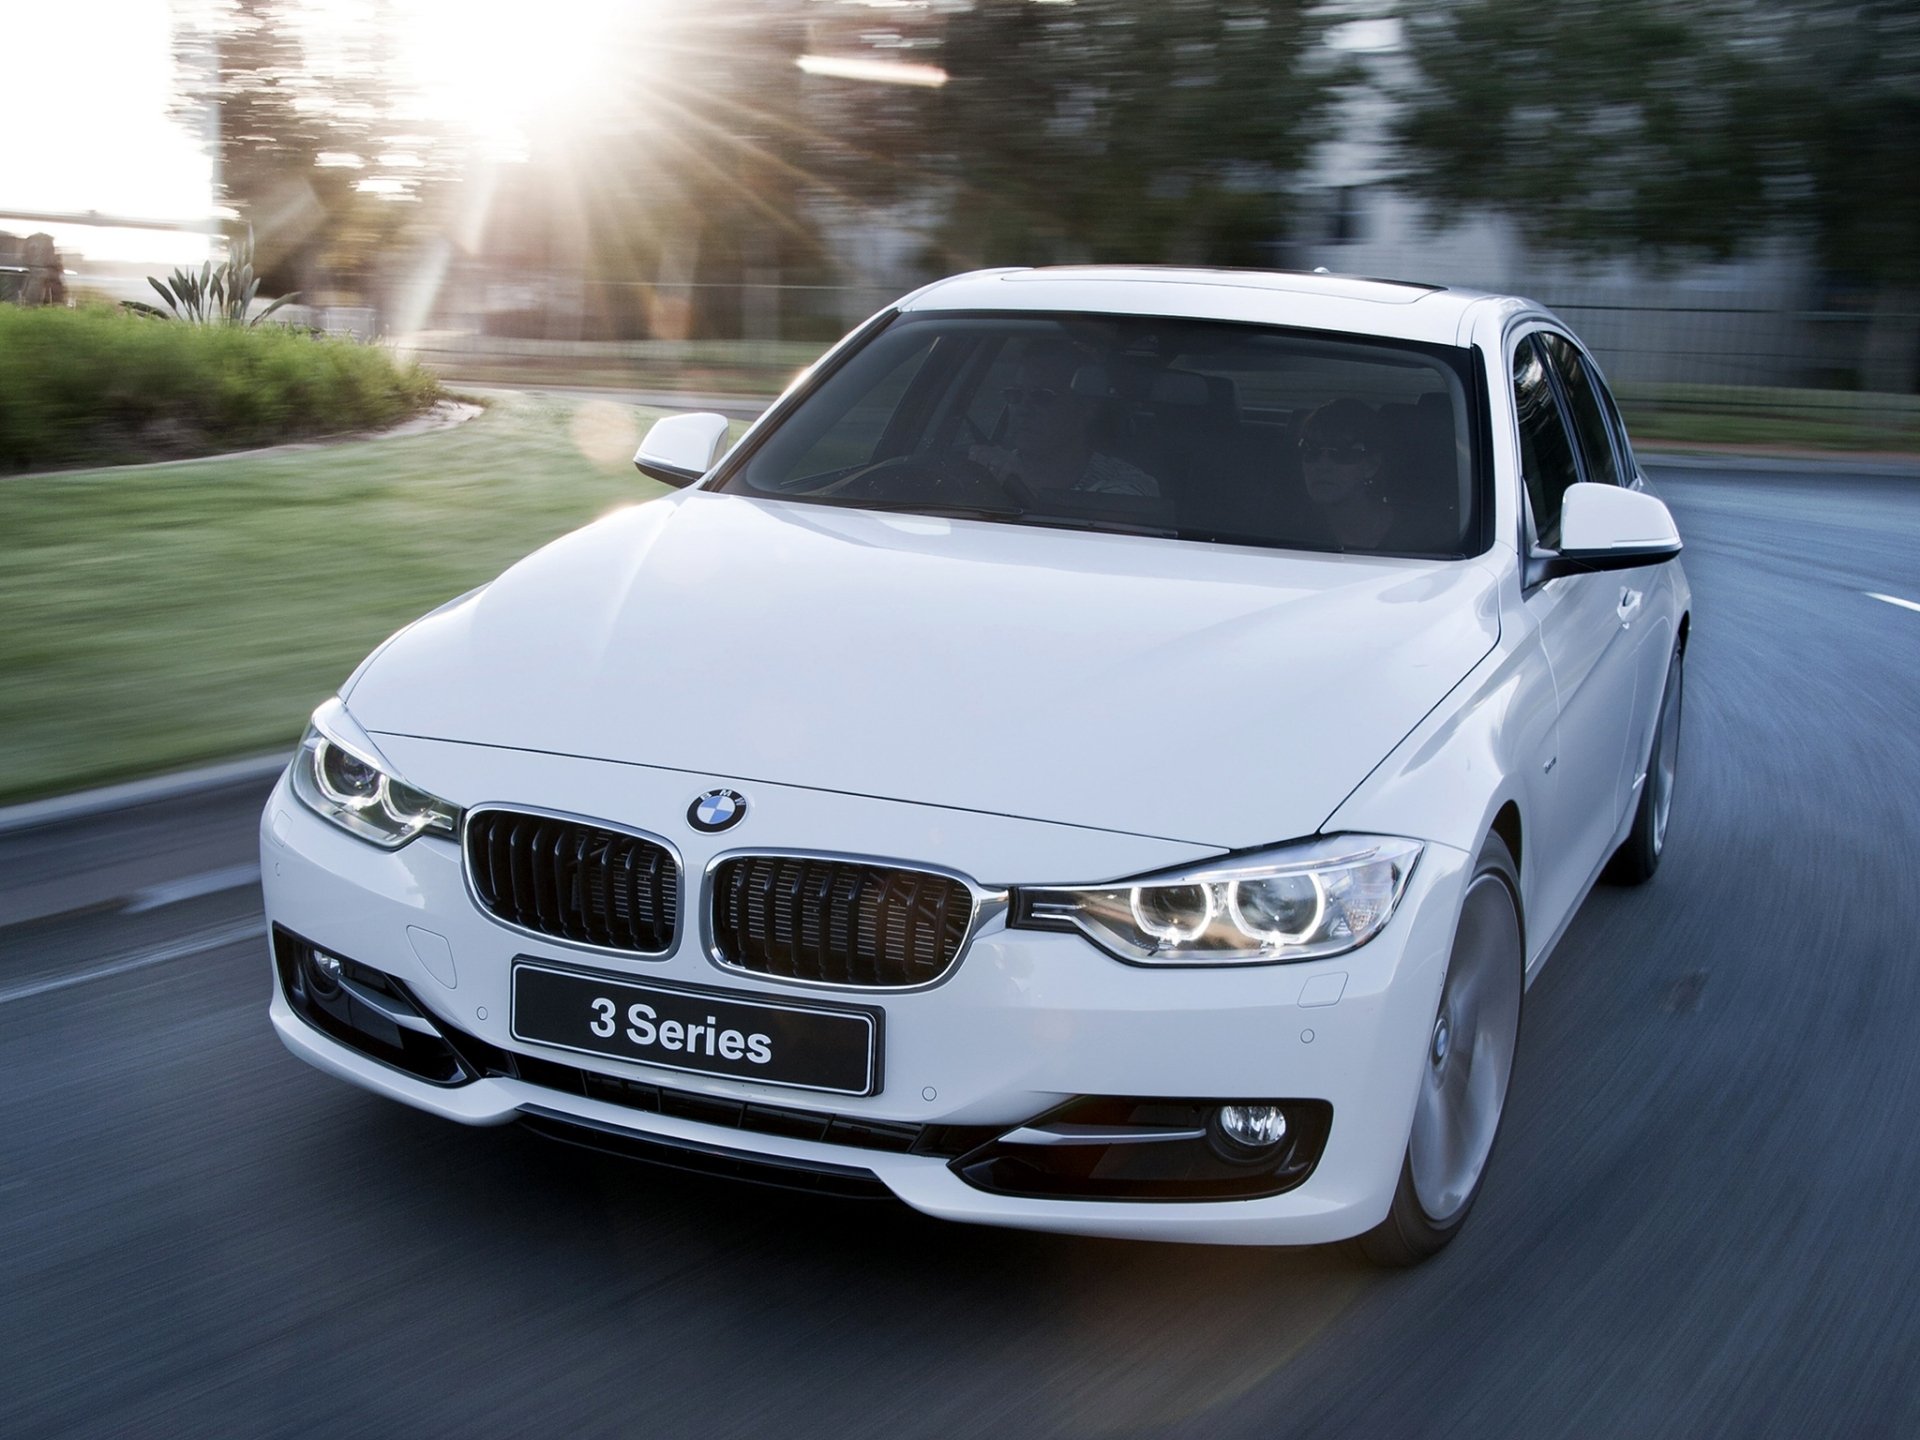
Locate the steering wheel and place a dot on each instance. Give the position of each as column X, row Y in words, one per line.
column 942, row 476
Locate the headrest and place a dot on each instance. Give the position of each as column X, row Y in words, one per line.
column 1179, row 387
column 1092, row 381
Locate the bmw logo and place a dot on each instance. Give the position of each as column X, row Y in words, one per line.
column 717, row 810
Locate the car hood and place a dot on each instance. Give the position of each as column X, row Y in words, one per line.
column 1222, row 695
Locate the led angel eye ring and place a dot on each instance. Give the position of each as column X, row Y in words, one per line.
column 1278, row 937
column 1162, row 930
column 337, row 796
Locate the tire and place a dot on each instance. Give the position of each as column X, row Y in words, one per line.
column 1639, row 854
column 1467, row 1071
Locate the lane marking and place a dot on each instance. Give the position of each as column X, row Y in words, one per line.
column 1892, row 600
column 183, row 949
column 209, row 882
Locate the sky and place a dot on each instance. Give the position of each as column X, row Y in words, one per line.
column 94, row 101
column 97, row 97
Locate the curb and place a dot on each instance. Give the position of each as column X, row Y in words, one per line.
column 84, row 803
column 734, row 406
column 414, row 425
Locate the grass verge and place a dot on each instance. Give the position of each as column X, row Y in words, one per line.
column 1754, row 415
column 164, row 616
column 100, row 386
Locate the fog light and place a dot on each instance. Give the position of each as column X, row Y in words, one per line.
column 1253, row 1127
column 323, row 974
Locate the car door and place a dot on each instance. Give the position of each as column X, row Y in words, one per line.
column 1658, row 620
column 1586, row 633
column 1645, row 596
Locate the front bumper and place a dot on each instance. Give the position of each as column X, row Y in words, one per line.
column 1026, row 1021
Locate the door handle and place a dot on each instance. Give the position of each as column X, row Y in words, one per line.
column 1629, row 607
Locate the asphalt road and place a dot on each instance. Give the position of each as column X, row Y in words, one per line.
column 1701, row 1220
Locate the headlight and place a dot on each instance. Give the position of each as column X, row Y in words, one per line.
column 338, row 777
column 1300, row 902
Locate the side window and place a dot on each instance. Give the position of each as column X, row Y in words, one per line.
column 1546, row 451
column 1589, row 422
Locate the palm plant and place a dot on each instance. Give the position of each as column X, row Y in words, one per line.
column 214, row 296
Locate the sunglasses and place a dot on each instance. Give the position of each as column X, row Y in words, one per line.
column 1030, row 395
column 1333, row 454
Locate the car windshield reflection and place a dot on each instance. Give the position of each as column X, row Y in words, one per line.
column 1190, row 430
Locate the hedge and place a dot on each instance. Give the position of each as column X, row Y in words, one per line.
column 97, row 386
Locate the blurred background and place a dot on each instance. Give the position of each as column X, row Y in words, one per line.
column 230, row 224
column 1715, row 193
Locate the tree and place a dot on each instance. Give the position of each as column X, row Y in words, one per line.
column 1595, row 125
column 682, row 192
column 1844, row 81
column 295, row 144
column 1677, row 128
column 1103, row 129
column 1113, row 130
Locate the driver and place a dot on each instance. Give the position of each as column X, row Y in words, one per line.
column 1048, row 443
column 1341, row 464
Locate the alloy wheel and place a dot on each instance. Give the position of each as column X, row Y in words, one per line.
column 1470, row 1055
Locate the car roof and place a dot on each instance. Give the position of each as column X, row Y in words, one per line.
column 1401, row 309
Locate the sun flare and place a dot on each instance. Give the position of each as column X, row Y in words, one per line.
column 500, row 70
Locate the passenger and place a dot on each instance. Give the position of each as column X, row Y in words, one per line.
column 1049, row 444
column 1341, row 456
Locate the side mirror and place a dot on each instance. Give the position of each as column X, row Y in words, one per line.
column 1603, row 527
column 681, row 448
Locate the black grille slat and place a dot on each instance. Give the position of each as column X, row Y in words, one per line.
column 553, row 910
column 539, row 877
column 533, row 898
column 486, row 875
column 590, row 884
column 519, row 871
column 629, row 894
column 574, row 880
column 842, row 922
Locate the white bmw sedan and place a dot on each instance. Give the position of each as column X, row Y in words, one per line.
column 1106, row 752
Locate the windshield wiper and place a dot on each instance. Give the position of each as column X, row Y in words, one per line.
column 938, row 508
column 1098, row 526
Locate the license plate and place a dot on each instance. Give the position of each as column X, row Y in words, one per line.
column 706, row 1032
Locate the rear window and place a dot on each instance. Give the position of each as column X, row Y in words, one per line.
column 1193, row 430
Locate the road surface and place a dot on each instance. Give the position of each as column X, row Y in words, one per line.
column 1700, row 1220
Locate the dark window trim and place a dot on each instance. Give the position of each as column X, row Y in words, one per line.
column 1630, row 477
column 1529, row 527
column 1608, row 410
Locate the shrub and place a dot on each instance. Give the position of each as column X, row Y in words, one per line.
column 99, row 386
column 222, row 296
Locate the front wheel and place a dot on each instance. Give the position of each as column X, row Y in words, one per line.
column 1465, row 1074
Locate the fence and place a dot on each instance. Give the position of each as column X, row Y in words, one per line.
column 1766, row 374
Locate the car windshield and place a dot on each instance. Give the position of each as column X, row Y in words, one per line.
column 1194, row 430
